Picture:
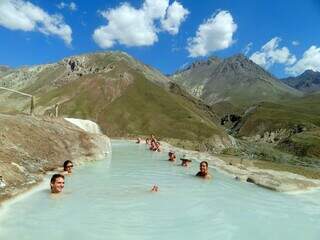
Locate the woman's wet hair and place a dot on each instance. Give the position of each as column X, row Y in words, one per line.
column 205, row 162
column 65, row 164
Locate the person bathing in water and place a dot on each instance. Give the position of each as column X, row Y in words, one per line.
column 153, row 138
column 57, row 183
column 155, row 188
column 152, row 146
column 67, row 167
column 172, row 156
column 203, row 173
column 185, row 162
column 157, row 147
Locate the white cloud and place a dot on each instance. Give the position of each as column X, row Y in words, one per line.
column 139, row 27
column 71, row 6
column 295, row 43
column 214, row 34
column 309, row 61
column 176, row 14
column 247, row 48
column 155, row 9
column 128, row 26
column 23, row 15
column 270, row 54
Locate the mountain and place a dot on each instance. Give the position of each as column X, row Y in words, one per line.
column 4, row 69
column 124, row 96
column 272, row 120
column 237, row 80
column 291, row 126
column 309, row 81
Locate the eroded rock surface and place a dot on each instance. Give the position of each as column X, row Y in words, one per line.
column 31, row 146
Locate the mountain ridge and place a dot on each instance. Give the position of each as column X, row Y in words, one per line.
column 236, row 79
column 307, row 82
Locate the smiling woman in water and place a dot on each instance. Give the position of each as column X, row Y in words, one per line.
column 203, row 173
column 67, row 167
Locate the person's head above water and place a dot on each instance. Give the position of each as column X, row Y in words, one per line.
column 57, row 183
column 154, row 188
column 172, row 156
column 67, row 166
column 185, row 162
column 204, row 167
column 203, row 170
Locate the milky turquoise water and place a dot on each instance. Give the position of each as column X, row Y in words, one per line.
column 110, row 199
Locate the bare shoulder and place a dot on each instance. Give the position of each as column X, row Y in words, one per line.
column 208, row 176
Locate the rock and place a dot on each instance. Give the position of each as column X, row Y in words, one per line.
column 2, row 182
column 250, row 180
column 34, row 145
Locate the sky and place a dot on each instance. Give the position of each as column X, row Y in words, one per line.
column 281, row 36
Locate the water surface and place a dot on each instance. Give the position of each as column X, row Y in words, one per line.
column 111, row 199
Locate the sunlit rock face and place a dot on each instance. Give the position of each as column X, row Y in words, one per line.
column 102, row 141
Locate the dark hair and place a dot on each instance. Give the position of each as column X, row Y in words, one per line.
column 65, row 164
column 205, row 162
column 55, row 176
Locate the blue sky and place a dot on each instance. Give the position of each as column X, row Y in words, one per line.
column 282, row 36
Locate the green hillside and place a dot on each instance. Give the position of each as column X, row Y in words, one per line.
column 125, row 97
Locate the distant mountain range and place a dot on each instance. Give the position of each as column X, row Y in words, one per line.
column 307, row 82
column 237, row 80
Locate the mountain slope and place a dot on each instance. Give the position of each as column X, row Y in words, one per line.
column 290, row 126
column 126, row 97
column 309, row 81
column 237, row 80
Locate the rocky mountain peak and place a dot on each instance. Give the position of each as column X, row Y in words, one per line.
column 214, row 60
column 238, row 58
column 240, row 64
column 229, row 79
column 308, row 81
column 310, row 73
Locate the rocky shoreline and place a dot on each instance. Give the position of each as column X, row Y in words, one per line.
column 32, row 146
column 279, row 181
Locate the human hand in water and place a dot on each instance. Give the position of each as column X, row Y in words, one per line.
column 155, row 188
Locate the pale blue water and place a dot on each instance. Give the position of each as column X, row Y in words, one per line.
column 113, row 201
